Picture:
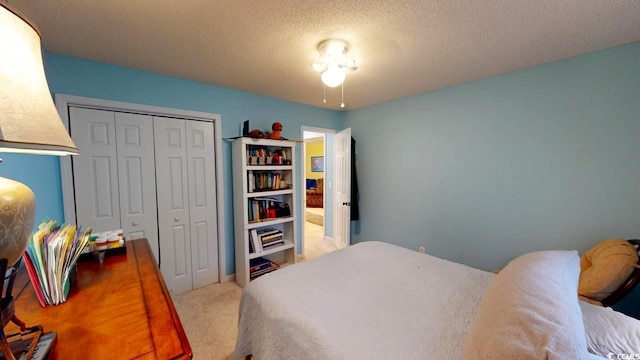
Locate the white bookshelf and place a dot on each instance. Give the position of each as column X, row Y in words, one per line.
column 247, row 199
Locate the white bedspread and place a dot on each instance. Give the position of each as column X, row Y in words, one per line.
column 370, row 301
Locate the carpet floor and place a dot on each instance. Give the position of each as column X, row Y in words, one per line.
column 209, row 315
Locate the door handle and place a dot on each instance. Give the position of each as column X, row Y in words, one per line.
column 347, row 203
column 176, row 219
column 135, row 223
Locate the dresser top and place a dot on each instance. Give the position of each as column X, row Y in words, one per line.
column 120, row 309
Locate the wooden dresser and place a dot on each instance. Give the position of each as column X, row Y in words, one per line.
column 119, row 309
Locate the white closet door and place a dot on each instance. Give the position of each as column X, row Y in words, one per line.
column 137, row 178
column 202, row 203
column 95, row 171
column 173, row 203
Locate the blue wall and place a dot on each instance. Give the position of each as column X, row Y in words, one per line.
column 74, row 76
column 42, row 175
column 543, row 158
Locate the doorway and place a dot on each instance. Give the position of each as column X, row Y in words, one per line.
column 317, row 170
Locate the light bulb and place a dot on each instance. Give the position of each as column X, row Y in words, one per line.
column 333, row 77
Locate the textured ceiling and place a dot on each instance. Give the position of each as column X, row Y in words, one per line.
column 266, row 47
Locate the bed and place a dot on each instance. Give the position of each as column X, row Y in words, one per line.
column 375, row 300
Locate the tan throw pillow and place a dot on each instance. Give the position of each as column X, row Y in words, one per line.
column 605, row 267
column 530, row 311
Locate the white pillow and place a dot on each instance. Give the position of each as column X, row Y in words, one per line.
column 530, row 311
column 609, row 331
column 595, row 357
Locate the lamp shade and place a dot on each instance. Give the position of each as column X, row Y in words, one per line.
column 29, row 121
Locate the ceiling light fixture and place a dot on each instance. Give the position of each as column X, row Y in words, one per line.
column 334, row 63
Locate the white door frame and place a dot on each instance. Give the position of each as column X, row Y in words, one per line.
column 63, row 101
column 303, row 178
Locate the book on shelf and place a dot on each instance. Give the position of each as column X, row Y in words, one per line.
column 272, row 237
column 263, row 180
column 261, row 209
column 267, row 231
column 269, row 234
column 255, row 245
column 257, row 274
column 260, row 266
column 273, row 244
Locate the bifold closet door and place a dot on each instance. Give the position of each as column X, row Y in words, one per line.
column 173, row 203
column 136, row 178
column 114, row 176
column 202, row 203
column 95, row 170
column 185, row 172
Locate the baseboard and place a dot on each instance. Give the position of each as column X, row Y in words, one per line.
column 228, row 278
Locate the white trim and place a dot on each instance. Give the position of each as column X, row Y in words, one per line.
column 315, row 140
column 228, row 278
column 63, row 102
column 304, row 128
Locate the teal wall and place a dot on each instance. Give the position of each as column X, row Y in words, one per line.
column 543, row 158
column 74, row 76
column 42, row 175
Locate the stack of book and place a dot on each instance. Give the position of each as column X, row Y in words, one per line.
column 50, row 260
column 260, row 266
column 265, row 239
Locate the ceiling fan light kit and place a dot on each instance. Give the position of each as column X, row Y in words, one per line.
column 334, row 63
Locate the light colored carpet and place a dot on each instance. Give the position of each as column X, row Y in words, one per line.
column 209, row 315
column 315, row 244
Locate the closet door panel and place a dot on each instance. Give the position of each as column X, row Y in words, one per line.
column 136, row 174
column 173, row 199
column 180, row 245
column 95, row 170
column 202, row 202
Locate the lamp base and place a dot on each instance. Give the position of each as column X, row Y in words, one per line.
column 17, row 215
